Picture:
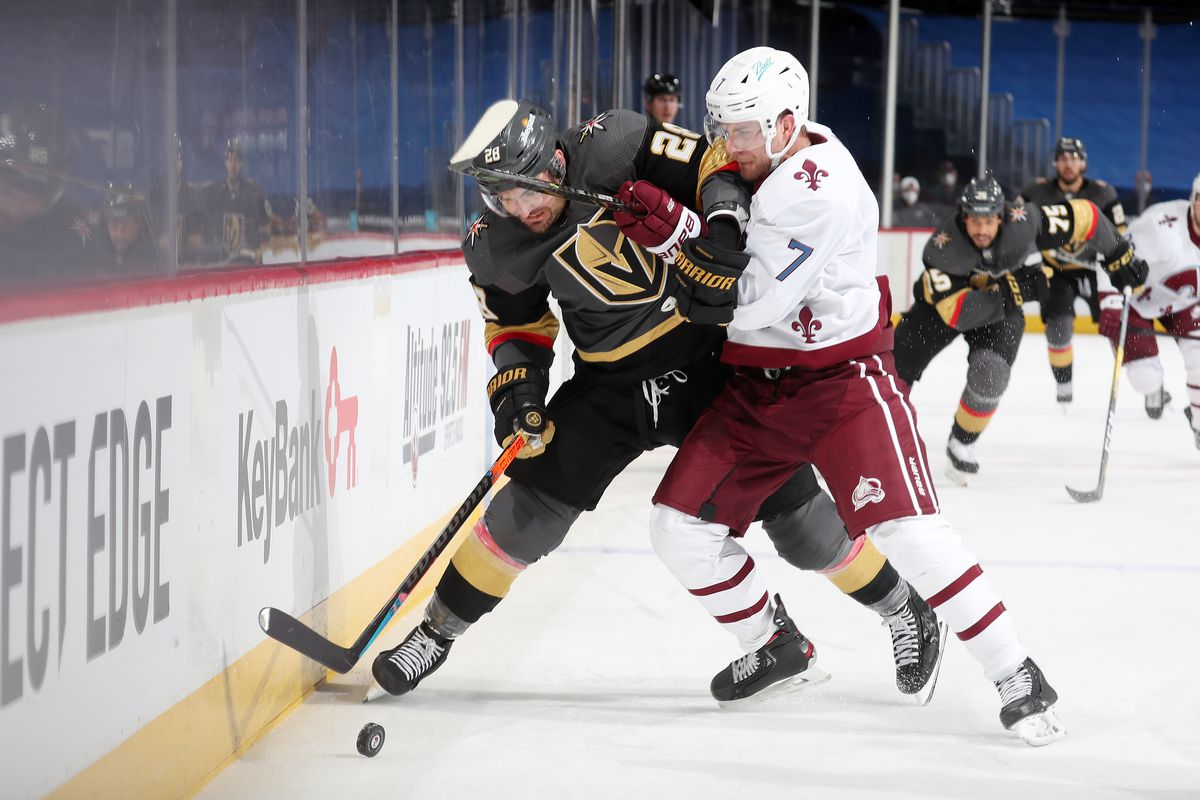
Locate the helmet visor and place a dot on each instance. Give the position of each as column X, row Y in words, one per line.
column 738, row 135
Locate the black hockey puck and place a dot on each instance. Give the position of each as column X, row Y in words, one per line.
column 370, row 739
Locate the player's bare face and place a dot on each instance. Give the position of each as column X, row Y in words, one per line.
column 982, row 230
column 535, row 210
column 123, row 233
column 1196, row 213
column 18, row 206
column 663, row 107
column 1070, row 167
column 745, row 144
column 233, row 166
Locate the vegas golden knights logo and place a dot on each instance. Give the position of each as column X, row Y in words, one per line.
column 611, row 266
column 235, row 225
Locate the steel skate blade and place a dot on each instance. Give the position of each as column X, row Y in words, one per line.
column 793, row 685
column 956, row 477
column 1039, row 730
column 925, row 693
column 374, row 692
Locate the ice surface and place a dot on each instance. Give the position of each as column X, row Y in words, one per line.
column 591, row 679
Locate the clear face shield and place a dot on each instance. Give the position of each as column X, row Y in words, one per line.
column 514, row 202
column 750, row 135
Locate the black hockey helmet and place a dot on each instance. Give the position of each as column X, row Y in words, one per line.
column 33, row 152
column 662, row 83
column 121, row 201
column 982, row 197
column 1068, row 144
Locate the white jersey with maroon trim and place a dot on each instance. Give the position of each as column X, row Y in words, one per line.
column 1165, row 237
column 809, row 296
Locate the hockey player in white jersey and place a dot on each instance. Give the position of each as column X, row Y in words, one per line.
column 1167, row 237
column 810, row 336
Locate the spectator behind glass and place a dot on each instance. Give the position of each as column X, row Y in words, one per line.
column 662, row 93
column 126, row 245
column 44, row 238
column 945, row 192
column 235, row 213
column 909, row 211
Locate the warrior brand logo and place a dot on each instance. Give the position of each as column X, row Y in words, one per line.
column 127, row 515
column 280, row 476
column 612, row 267
column 701, row 276
column 436, row 389
column 808, row 325
column 811, row 175
column 916, row 474
column 869, row 490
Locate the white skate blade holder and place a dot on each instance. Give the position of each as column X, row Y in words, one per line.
column 956, row 477
column 1039, row 730
column 374, row 692
column 797, row 683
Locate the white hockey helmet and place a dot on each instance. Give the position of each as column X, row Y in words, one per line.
column 758, row 85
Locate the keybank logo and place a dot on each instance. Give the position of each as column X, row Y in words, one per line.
column 287, row 472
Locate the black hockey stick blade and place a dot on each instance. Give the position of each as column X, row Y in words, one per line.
column 1086, row 497
column 289, row 631
column 286, row 629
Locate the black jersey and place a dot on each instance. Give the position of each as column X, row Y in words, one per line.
column 959, row 278
column 235, row 219
column 610, row 290
column 56, row 247
column 1102, row 194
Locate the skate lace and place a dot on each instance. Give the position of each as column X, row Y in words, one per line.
column 1015, row 686
column 744, row 667
column 654, row 391
column 416, row 655
column 906, row 637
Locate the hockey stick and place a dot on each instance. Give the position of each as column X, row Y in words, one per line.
column 546, row 187
column 286, row 629
column 1095, row 494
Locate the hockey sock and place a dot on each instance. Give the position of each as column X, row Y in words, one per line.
column 1191, row 363
column 987, row 378
column 928, row 553
column 478, row 577
column 1059, row 349
column 717, row 571
column 868, row 578
column 1145, row 374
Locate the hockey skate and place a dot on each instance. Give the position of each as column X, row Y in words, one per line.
column 962, row 462
column 785, row 663
column 1187, row 412
column 1028, row 706
column 399, row 670
column 1155, row 402
column 918, row 642
column 1064, row 394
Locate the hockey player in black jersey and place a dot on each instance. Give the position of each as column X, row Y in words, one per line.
column 981, row 265
column 1070, row 280
column 643, row 375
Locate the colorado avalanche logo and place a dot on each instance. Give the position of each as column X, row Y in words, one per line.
column 590, row 127
column 869, row 490
column 810, row 174
column 477, row 227
column 807, row 325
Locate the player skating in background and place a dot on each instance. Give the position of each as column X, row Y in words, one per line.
column 661, row 97
column 642, row 374
column 1167, row 237
column 981, row 265
column 1068, row 280
column 810, row 338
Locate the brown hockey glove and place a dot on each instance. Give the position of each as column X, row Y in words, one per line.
column 517, row 395
column 703, row 282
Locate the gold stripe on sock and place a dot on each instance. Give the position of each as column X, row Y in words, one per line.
column 859, row 572
column 483, row 569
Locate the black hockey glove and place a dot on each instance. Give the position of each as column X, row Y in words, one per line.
column 518, row 398
column 703, row 282
column 1124, row 268
column 1021, row 285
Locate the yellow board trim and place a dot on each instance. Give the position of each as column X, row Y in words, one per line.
column 633, row 345
column 859, row 572
column 186, row 746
